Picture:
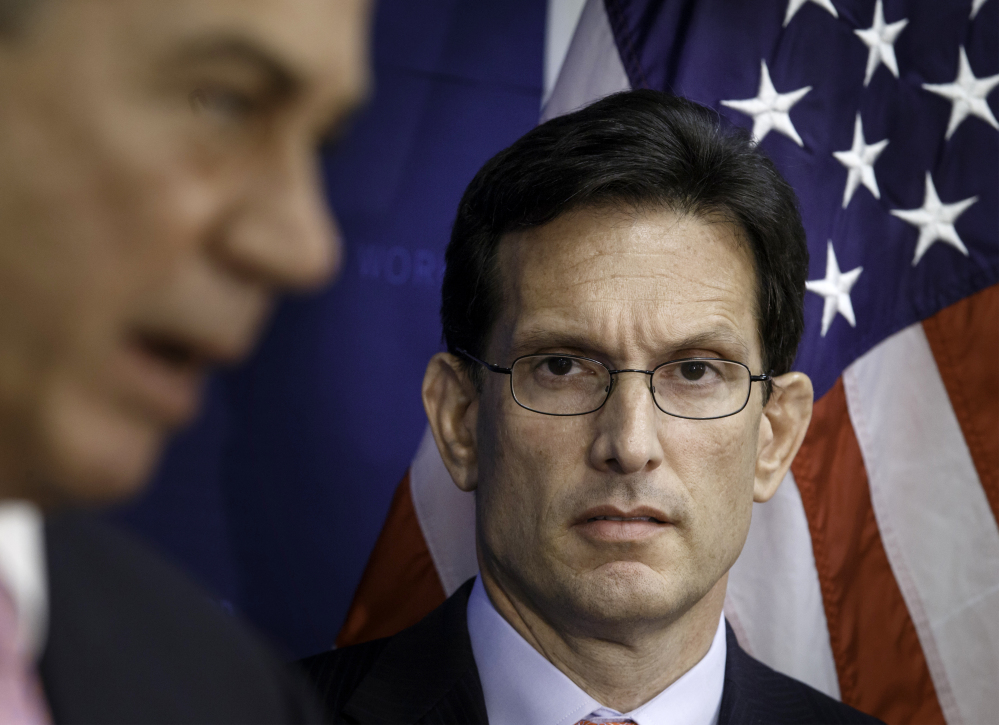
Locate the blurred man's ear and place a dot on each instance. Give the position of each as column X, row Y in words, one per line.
column 782, row 429
column 452, row 405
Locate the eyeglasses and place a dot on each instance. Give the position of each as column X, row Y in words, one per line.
column 699, row 388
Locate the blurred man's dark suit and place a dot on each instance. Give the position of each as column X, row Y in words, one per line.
column 427, row 674
column 130, row 639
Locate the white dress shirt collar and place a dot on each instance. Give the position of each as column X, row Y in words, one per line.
column 23, row 571
column 521, row 687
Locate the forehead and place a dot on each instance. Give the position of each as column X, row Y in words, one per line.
column 637, row 284
column 311, row 34
column 322, row 42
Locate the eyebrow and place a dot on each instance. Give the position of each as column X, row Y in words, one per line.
column 713, row 338
column 280, row 76
column 536, row 339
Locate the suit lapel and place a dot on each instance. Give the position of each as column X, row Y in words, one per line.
column 425, row 674
column 754, row 693
column 735, row 706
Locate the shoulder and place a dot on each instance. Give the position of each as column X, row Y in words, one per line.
column 132, row 638
column 336, row 674
column 425, row 673
column 756, row 693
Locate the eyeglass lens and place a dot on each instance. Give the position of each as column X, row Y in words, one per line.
column 568, row 385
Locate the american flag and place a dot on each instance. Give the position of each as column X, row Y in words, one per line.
column 873, row 575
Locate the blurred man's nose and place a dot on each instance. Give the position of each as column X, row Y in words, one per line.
column 284, row 233
column 628, row 428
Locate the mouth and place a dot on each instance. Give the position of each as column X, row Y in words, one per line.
column 171, row 352
column 649, row 519
column 609, row 524
column 163, row 374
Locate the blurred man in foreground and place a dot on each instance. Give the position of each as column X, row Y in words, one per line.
column 622, row 305
column 158, row 188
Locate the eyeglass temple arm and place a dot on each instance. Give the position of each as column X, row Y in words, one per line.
column 760, row 378
column 490, row 366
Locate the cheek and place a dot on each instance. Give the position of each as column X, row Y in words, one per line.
column 108, row 217
column 125, row 236
column 159, row 181
column 158, row 209
column 154, row 182
column 91, row 231
column 715, row 462
column 524, row 476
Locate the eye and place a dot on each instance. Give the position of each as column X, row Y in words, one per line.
column 693, row 370
column 559, row 365
column 221, row 104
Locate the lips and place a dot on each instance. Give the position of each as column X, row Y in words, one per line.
column 172, row 352
column 163, row 374
column 180, row 348
column 613, row 513
column 610, row 524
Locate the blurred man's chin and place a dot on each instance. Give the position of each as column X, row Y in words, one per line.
column 100, row 458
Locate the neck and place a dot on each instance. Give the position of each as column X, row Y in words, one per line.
column 15, row 489
column 12, row 476
column 626, row 667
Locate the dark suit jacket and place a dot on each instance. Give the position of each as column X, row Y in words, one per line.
column 132, row 640
column 427, row 674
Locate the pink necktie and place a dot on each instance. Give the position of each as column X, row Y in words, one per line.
column 21, row 698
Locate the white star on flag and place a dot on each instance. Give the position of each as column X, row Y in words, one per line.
column 860, row 161
column 794, row 6
column 975, row 7
column 935, row 221
column 880, row 42
column 835, row 288
column 968, row 94
column 770, row 109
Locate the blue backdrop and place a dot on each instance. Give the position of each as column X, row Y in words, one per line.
column 274, row 497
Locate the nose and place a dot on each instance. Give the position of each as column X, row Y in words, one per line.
column 628, row 428
column 283, row 232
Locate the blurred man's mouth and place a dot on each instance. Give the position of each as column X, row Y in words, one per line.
column 610, row 524
column 164, row 375
column 170, row 352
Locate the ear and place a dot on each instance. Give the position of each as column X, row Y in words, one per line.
column 782, row 429
column 452, row 405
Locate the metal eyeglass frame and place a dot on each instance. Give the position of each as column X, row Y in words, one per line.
column 492, row 367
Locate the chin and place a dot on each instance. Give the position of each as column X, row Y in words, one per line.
column 623, row 580
column 101, row 457
column 623, row 591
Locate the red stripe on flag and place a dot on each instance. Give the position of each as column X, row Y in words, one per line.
column 964, row 339
column 400, row 585
column 879, row 661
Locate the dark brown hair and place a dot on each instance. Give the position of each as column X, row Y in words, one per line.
column 642, row 149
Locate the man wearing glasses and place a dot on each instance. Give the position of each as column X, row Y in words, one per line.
column 622, row 305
